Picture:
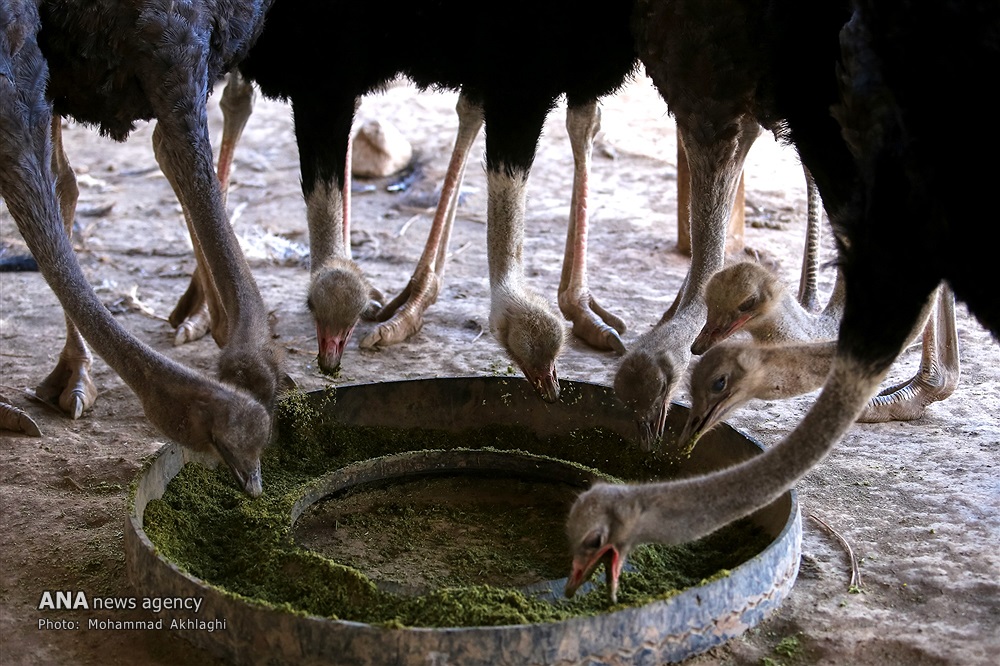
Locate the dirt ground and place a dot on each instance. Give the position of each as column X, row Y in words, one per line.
column 918, row 502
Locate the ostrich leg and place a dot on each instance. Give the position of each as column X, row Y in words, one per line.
column 591, row 322
column 403, row 315
column 68, row 386
column 808, row 295
column 937, row 376
column 192, row 316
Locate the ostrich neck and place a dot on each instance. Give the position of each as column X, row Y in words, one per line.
column 789, row 322
column 505, row 230
column 789, row 370
column 138, row 365
column 684, row 510
column 325, row 210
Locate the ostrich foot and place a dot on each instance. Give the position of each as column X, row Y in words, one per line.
column 190, row 317
column 404, row 315
column 936, row 378
column 69, row 387
column 592, row 323
column 375, row 307
column 908, row 400
column 193, row 327
column 17, row 420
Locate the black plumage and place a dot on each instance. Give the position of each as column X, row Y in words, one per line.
column 893, row 127
column 513, row 61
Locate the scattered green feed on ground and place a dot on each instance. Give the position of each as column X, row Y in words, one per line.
column 208, row 527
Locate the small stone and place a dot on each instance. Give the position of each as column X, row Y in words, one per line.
column 379, row 150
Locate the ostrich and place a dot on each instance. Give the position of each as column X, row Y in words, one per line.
column 336, row 315
column 903, row 173
column 513, row 95
column 747, row 296
column 109, row 64
column 705, row 60
column 730, row 374
column 601, row 329
column 342, row 293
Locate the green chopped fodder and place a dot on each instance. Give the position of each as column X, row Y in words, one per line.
column 210, row 528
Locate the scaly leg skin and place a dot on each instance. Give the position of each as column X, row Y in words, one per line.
column 937, row 377
column 591, row 322
column 808, row 296
column 68, row 387
column 404, row 315
column 192, row 315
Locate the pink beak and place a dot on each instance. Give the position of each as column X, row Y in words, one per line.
column 583, row 569
column 545, row 383
column 710, row 336
column 331, row 348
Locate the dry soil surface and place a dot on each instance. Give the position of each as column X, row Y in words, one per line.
column 918, row 502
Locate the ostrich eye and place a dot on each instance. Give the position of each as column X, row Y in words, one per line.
column 719, row 384
column 593, row 541
column 748, row 304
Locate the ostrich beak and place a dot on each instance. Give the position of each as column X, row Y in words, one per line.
column 584, row 569
column 651, row 427
column 712, row 335
column 254, row 485
column 545, row 382
column 699, row 424
column 249, row 478
column 331, row 347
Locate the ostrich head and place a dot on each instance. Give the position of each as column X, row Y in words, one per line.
column 601, row 529
column 644, row 382
column 338, row 296
column 721, row 382
column 735, row 296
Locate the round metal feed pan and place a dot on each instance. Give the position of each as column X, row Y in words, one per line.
column 664, row 631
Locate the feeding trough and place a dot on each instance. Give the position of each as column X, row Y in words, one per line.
column 666, row 630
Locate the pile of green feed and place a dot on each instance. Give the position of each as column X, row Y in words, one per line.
column 208, row 527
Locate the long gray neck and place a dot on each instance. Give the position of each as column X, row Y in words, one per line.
column 793, row 369
column 684, row 510
column 505, row 230
column 325, row 216
column 137, row 364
